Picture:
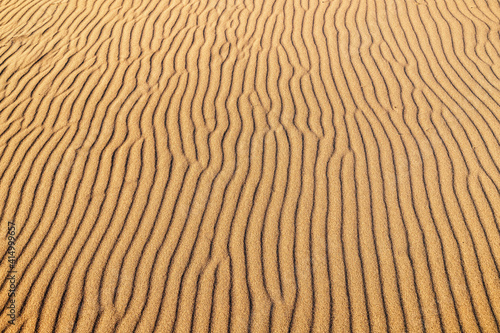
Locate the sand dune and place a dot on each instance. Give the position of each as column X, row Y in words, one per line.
column 287, row 165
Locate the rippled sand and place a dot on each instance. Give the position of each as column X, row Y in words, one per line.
column 256, row 165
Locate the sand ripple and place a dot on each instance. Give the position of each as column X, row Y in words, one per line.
column 284, row 166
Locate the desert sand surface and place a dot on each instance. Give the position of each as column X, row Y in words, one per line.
column 250, row 165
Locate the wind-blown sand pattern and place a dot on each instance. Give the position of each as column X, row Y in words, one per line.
column 256, row 165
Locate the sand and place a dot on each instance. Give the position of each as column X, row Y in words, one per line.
column 253, row 165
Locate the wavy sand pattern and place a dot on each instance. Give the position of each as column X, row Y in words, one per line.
column 253, row 165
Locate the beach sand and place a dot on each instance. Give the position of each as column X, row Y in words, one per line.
column 250, row 165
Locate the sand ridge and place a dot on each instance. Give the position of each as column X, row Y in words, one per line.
column 251, row 165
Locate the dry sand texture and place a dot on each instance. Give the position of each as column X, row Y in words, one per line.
column 251, row 165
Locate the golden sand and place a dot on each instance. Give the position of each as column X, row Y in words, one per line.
column 253, row 165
